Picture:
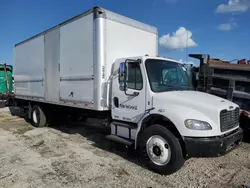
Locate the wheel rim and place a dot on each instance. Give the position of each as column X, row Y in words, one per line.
column 34, row 115
column 158, row 150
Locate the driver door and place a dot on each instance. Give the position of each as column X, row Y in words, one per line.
column 128, row 103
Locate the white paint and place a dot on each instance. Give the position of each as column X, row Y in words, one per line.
column 177, row 106
column 82, row 90
column 125, row 114
column 76, row 58
column 182, row 105
column 87, row 47
column 29, row 67
column 123, row 39
column 126, row 41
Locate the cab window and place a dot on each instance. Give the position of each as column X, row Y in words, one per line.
column 169, row 75
column 134, row 76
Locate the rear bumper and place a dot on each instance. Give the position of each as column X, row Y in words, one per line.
column 212, row 147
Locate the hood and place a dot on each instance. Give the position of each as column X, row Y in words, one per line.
column 195, row 99
column 181, row 105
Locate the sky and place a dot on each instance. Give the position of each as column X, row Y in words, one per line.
column 220, row 28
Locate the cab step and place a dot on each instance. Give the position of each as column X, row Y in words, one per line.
column 125, row 125
column 119, row 140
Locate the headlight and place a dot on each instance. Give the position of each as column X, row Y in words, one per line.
column 197, row 125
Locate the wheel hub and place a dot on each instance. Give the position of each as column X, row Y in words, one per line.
column 158, row 150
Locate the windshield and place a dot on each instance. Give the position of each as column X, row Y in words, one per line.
column 166, row 76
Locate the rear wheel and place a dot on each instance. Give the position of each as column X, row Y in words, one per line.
column 38, row 118
column 161, row 150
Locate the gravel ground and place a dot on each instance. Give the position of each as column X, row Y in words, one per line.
column 80, row 156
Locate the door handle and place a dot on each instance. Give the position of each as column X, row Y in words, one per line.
column 116, row 102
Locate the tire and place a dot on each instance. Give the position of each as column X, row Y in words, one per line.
column 38, row 118
column 160, row 150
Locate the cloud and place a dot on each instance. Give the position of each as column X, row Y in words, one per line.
column 180, row 40
column 234, row 6
column 225, row 27
column 186, row 62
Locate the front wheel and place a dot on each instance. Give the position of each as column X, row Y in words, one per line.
column 161, row 150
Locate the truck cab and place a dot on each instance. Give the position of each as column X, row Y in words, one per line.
column 155, row 107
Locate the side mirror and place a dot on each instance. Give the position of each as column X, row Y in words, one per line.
column 122, row 76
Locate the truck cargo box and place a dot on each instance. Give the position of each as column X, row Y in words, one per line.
column 70, row 64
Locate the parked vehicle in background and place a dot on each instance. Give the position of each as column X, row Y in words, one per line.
column 225, row 79
column 6, row 85
column 93, row 65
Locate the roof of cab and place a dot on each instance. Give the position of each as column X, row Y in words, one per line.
column 145, row 57
column 160, row 58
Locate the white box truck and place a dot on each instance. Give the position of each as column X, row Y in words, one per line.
column 94, row 65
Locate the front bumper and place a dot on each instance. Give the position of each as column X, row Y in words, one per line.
column 213, row 146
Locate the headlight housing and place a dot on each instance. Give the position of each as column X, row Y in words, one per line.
column 197, row 125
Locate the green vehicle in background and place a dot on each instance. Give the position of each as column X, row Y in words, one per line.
column 6, row 85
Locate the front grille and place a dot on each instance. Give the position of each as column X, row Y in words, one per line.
column 229, row 119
